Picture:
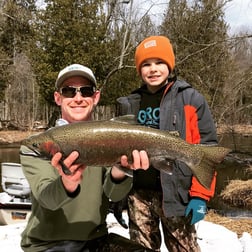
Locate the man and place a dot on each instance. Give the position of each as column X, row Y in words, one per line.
column 69, row 211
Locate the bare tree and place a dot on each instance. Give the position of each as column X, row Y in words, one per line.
column 21, row 93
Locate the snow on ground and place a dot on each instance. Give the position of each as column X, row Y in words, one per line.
column 211, row 237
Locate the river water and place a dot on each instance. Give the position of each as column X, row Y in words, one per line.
column 235, row 166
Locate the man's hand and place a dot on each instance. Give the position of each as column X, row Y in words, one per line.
column 71, row 181
column 140, row 161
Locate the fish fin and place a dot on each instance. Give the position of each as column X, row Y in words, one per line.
column 205, row 170
column 162, row 164
column 65, row 168
column 126, row 119
column 128, row 172
column 216, row 153
column 174, row 133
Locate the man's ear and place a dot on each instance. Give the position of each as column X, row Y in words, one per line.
column 97, row 96
column 57, row 98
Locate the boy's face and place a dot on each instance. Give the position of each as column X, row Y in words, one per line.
column 78, row 107
column 154, row 73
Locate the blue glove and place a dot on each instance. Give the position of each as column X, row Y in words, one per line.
column 197, row 208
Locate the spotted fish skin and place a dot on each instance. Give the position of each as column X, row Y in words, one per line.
column 102, row 143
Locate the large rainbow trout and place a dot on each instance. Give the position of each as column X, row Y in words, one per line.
column 101, row 143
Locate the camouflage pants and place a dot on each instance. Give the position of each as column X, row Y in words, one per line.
column 109, row 243
column 145, row 214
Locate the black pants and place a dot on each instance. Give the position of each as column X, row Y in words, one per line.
column 109, row 243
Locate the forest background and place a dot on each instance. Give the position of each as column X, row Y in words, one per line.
column 37, row 41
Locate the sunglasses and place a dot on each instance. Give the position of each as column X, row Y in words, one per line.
column 70, row 92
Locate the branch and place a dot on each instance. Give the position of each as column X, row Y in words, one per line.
column 212, row 44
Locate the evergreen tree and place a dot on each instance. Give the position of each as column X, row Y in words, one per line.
column 74, row 32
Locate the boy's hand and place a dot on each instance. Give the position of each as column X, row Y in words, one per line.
column 140, row 161
column 197, row 208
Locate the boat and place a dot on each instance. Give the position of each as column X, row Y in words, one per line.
column 15, row 201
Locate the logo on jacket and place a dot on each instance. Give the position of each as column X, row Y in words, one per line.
column 149, row 117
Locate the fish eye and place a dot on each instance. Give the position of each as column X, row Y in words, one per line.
column 35, row 145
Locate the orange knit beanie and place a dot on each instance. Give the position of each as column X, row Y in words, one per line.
column 155, row 47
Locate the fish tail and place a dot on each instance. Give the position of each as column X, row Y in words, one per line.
column 205, row 170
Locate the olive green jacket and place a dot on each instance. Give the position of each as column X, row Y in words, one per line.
column 56, row 215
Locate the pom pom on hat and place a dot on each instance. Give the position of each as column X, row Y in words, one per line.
column 155, row 47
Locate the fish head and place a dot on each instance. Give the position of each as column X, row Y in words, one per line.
column 42, row 144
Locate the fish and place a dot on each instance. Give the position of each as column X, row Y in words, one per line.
column 102, row 143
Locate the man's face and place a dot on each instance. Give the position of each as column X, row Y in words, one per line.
column 76, row 108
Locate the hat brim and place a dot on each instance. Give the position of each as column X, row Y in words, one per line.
column 67, row 75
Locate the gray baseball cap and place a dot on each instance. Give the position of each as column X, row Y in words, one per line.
column 75, row 70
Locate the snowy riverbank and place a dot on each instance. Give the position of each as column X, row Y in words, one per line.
column 211, row 237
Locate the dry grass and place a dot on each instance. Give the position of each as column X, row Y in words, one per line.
column 238, row 193
column 13, row 136
column 236, row 225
